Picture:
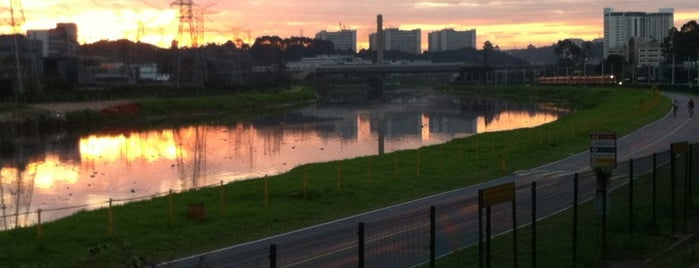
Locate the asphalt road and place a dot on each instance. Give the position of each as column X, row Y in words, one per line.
column 398, row 236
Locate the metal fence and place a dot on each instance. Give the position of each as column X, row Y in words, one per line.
column 431, row 229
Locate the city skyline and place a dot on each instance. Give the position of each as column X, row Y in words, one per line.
column 508, row 24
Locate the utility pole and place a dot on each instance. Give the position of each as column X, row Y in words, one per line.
column 16, row 24
column 380, row 41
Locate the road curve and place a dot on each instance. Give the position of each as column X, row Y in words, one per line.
column 395, row 236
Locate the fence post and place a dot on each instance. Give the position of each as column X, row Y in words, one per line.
column 575, row 219
column 604, row 222
column 38, row 226
column 433, row 233
column 672, row 189
column 631, row 195
column 223, row 200
column 533, row 224
column 170, row 209
column 339, row 175
column 689, row 172
column 110, row 228
column 488, row 234
column 480, row 228
column 360, row 246
column 417, row 166
column 655, row 190
column 514, row 229
column 266, row 191
column 273, row 255
column 686, row 186
column 305, row 182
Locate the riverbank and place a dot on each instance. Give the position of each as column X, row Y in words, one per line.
column 315, row 193
column 47, row 118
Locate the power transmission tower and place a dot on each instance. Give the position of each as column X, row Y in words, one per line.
column 16, row 25
column 141, row 31
column 188, row 20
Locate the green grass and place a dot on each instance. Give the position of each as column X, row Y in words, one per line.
column 158, row 230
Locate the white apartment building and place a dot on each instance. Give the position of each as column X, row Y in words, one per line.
column 450, row 39
column 401, row 40
column 343, row 40
column 648, row 29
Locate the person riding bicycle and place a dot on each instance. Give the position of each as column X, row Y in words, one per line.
column 674, row 107
column 690, row 107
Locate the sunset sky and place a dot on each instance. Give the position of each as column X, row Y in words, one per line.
column 506, row 23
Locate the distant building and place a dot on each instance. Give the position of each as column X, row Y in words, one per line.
column 450, row 39
column 343, row 40
column 648, row 30
column 395, row 39
column 59, row 42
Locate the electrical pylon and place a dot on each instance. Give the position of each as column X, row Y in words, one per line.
column 16, row 25
column 188, row 20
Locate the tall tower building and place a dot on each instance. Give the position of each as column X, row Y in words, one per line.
column 343, row 40
column 449, row 39
column 620, row 27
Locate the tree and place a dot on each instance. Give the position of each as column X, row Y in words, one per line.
column 682, row 43
column 569, row 53
column 488, row 49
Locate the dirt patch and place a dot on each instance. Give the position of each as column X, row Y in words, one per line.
column 63, row 107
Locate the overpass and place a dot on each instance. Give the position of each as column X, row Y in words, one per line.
column 454, row 67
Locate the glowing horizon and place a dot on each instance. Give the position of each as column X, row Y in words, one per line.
column 508, row 24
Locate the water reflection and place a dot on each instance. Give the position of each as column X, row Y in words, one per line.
column 85, row 172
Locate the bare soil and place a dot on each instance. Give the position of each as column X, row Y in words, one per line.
column 63, row 107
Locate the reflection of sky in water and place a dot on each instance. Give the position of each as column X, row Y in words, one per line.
column 141, row 164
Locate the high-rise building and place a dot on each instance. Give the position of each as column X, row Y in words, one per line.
column 395, row 39
column 621, row 27
column 343, row 40
column 450, row 39
column 59, row 42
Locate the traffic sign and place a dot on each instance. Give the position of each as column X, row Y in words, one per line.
column 603, row 149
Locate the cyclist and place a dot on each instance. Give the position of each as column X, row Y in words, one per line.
column 690, row 107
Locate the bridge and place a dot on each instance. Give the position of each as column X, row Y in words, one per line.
column 391, row 68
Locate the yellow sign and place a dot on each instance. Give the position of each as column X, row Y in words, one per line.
column 679, row 148
column 497, row 194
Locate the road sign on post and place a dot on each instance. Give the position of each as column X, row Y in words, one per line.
column 603, row 149
column 487, row 198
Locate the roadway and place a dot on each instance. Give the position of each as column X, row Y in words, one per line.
column 398, row 236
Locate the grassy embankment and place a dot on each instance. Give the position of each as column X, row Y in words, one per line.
column 158, row 230
column 158, row 111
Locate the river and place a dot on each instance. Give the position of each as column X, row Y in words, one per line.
column 64, row 175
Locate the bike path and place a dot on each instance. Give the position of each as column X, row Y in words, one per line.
column 655, row 137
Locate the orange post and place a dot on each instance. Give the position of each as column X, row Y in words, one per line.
column 223, row 199
column 170, row 212
column 339, row 175
column 395, row 167
column 110, row 229
column 38, row 226
column 417, row 166
column 305, row 183
column 369, row 170
column 266, row 191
